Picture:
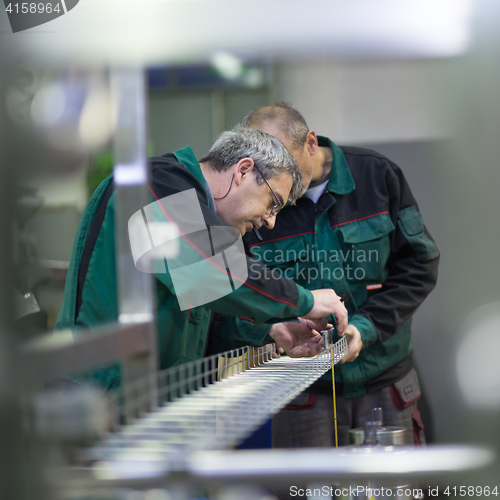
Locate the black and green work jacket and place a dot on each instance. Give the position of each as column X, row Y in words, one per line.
column 91, row 287
column 364, row 235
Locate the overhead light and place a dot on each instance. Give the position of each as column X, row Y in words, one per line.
column 227, row 65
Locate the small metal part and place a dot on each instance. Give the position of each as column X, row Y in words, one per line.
column 327, row 337
column 377, row 415
column 371, row 433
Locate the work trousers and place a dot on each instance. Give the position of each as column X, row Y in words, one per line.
column 308, row 421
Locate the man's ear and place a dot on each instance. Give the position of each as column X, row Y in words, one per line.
column 243, row 168
column 312, row 141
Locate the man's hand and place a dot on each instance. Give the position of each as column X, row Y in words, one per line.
column 355, row 344
column 326, row 302
column 299, row 340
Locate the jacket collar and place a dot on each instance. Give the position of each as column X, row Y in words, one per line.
column 187, row 157
column 341, row 181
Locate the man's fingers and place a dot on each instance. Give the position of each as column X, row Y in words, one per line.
column 318, row 324
column 348, row 358
column 304, row 351
column 310, row 323
column 355, row 344
column 341, row 316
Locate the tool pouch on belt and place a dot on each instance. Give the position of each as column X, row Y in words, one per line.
column 405, row 393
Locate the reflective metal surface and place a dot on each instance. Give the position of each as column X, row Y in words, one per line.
column 355, row 462
column 135, row 288
column 75, row 352
column 386, row 435
column 144, row 469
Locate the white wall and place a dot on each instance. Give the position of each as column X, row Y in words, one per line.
column 357, row 102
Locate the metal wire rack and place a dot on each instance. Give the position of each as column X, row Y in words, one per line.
column 216, row 402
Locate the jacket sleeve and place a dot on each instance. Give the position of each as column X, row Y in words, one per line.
column 210, row 271
column 412, row 267
column 232, row 332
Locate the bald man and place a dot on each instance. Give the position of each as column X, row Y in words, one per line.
column 356, row 228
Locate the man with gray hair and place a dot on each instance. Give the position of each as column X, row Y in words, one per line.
column 240, row 152
column 243, row 182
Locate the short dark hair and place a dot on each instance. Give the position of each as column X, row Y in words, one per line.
column 291, row 122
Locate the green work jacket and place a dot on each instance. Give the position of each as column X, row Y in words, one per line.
column 365, row 235
column 90, row 297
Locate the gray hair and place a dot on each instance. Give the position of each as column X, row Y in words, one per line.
column 268, row 153
column 289, row 120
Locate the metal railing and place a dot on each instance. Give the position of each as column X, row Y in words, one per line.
column 213, row 403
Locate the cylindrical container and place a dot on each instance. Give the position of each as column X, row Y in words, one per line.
column 389, row 435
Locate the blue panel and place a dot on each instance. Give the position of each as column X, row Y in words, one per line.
column 157, row 78
column 260, row 439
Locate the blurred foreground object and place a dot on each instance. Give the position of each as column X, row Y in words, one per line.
column 101, row 32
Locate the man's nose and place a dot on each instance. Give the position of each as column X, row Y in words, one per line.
column 269, row 220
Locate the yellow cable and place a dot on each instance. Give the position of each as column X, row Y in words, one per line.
column 334, row 405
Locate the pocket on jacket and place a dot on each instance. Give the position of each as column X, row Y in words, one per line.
column 366, row 246
column 283, row 252
column 411, row 223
